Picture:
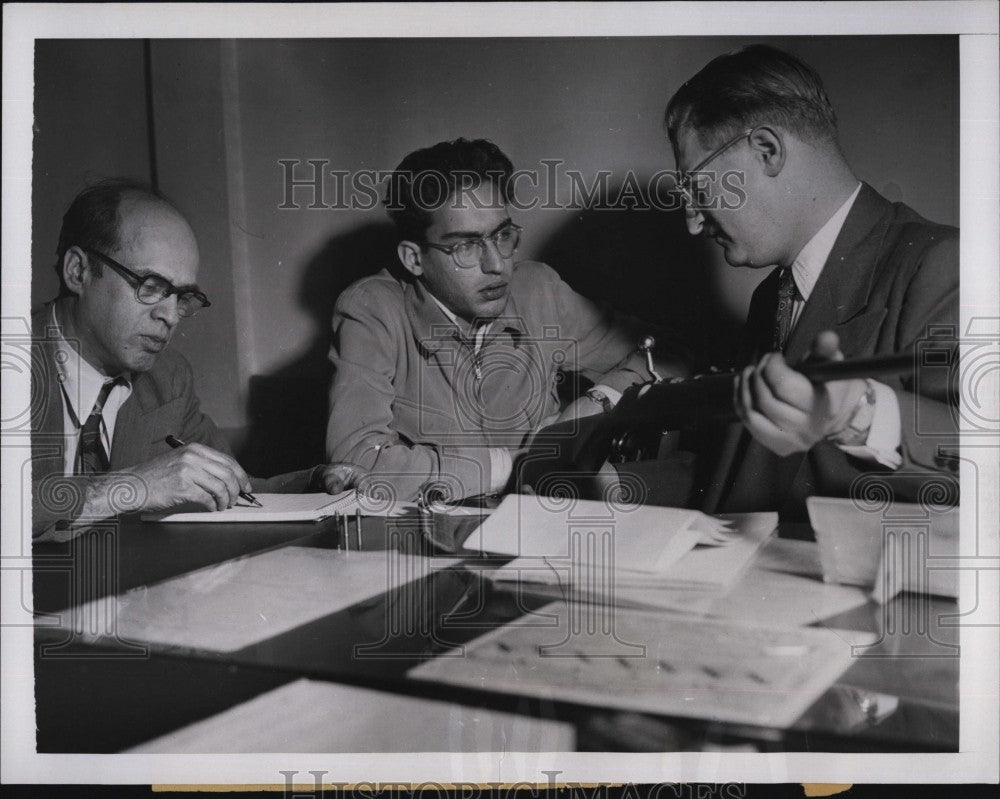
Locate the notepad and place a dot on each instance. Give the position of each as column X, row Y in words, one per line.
column 274, row 508
column 643, row 538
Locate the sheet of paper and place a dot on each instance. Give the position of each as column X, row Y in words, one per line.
column 274, row 508
column 311, row 716
column 718, row 567
column 655, row 662
column 243, row 601
column 703, row 567
column 643, row 538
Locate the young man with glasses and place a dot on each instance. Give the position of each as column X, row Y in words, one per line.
column 856, row 276
column 442, row 372
column 106, row 390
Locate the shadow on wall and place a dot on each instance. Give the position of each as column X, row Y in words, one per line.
column 643, row 262
column 288, row 408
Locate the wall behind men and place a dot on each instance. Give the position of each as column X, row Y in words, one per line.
column 226, row 114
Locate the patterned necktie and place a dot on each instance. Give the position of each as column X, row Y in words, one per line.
column 783, row 316
column 90, row 455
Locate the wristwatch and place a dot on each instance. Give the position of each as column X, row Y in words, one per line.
column 600, row 398
column 860, row 423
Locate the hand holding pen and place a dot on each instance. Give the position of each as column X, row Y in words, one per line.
column 213, row 475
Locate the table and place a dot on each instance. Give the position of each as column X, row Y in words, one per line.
column 110, row 697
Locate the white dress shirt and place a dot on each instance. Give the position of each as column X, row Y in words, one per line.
column 81, row 383
column 884, row 435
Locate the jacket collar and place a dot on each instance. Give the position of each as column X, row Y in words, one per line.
column 432, row 328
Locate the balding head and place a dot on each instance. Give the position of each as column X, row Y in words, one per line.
column 94, row 218
column 133, row 236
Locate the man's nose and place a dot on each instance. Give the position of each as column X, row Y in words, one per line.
column 695, row 221
column 493, row 262
column 166, row 311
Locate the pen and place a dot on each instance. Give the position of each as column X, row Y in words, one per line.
column 246, row 496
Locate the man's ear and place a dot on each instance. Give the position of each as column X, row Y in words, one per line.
column 75, row 269
column 769, row 147
column 409, row 253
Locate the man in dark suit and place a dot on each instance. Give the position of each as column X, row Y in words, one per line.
column 755, row 139
column 106, row 392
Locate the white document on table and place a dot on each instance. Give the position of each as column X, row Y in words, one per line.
column 244, row 601
column 711, row 567
column 641, row 538
column 274, row 508
column 314, row 716
column 732, row 671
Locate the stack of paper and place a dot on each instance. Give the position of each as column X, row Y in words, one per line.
column 639, row 537
column 602, row 549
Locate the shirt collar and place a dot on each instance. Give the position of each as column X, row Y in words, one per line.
column 453, row 318
column 81, row 382
column 424, row 311
column 809, row 263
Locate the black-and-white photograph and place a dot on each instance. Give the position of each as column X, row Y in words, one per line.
column 454, row 403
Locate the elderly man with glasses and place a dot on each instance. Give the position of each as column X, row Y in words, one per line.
column 443, row 370
column 852, row 275
column 106, row 391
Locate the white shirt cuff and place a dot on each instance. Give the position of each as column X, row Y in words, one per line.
column 501, row 465
column 612, row 394
column 885, row 433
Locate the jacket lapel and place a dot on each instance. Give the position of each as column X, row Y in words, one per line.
column 47, row 403
column 843, row 288
column 135, row 424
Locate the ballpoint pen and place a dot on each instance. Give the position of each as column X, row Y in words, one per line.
column 246, row 496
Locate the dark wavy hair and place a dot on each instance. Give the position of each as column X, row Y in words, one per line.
column 757, row 85
column 426, row 179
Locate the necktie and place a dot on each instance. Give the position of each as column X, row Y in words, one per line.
column 783, row 315
column 90, row 454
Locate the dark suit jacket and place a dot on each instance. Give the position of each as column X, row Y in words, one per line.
column 890, row 285
column 163, row 402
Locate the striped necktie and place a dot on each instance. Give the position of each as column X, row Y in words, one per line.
column 783, row 315
column 90, row 455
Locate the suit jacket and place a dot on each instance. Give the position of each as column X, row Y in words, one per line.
column 890, row 285
column 162, row 402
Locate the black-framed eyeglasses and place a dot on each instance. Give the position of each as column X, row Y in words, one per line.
column 469, row 253
column 151, row 289
column 686, row 184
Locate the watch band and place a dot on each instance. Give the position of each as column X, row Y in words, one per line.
column 601, row 398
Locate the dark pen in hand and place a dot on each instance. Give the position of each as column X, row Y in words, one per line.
column 246, row 496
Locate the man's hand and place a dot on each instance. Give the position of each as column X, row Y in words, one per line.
column 193, row 473
column 786, row 412
column 339, row 477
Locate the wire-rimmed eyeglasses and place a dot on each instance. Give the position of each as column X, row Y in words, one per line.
column 469, row 253
column 685, row 186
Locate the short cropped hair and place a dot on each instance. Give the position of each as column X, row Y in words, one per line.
column 426, row 179
column 757, row 85
column 93, row 219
